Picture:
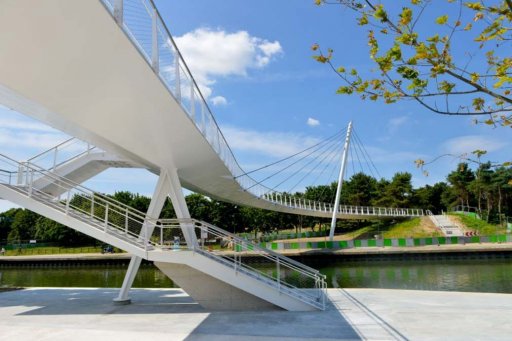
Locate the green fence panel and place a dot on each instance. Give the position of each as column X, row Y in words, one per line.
column 343, row 244
column 357, row 243
column 329, row 245
column 474, row 239
column 428, row 241
column 493, row 239
column 402, row 242
column 441, row 240
column 388, row 242
column 417, row 242
column 294, row 246
column 502, row 239
column 274, row 246
column 372, row 242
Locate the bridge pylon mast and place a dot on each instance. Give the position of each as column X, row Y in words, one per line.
column 340, row 181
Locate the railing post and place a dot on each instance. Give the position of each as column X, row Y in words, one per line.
column 19, row 180
column 203, row 118
column 118, row 12
column 30, row 183
column 177, row 72
column 106, row 218
column 278, row 268
column 126, row 222
column 154, row 43
column 192, row 103
column 68, row 199
column 55, row 158
column 92, row 206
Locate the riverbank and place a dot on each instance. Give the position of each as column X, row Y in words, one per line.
column 352, row 314
column 447, row 251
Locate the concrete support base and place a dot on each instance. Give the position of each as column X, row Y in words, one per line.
column 118, row 301
column 211, row 293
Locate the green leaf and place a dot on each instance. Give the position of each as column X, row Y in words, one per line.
column 363, row 20
column 442, row 20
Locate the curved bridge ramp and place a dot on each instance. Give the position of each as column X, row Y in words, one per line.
column 109, row 73
column 216, row 261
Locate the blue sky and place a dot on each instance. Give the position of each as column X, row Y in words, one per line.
column 253, row 61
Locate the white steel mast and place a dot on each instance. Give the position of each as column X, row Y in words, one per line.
column 340, row 181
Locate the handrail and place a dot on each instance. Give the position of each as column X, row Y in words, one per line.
column 68, row 184
column 232, row 257
column 175, row 222
column 53, row 148
column 111, row 217
column 54, row 153
column 155, row 48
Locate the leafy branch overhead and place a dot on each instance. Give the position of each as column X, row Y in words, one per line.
column 463, row 68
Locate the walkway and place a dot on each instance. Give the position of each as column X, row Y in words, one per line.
column 100, row 80
column 355, row 314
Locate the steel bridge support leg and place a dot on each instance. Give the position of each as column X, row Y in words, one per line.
column 162, row 189
column 181, row 209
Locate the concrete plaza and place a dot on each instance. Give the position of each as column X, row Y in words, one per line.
column 170, row 314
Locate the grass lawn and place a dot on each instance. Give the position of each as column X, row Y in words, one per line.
column 413, row 228
column 483, row 228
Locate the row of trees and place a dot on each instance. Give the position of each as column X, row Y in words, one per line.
column 486, row 187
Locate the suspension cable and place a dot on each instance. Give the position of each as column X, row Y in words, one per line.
column 291, row 156
column 331, row 147
column 330, row 152
column 292, row 164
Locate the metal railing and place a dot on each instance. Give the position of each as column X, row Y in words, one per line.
column 62, row 153
column 143, row 25
column 98, row 210
column 114, row 218
column 306, row 204
column 284, row 274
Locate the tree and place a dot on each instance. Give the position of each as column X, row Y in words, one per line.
column 398, row 193
column 425, row 65
column 360, row 189
column 199, row 206
column 6, row 220
column 23, row 226
column 460, row 180
column 431, row 197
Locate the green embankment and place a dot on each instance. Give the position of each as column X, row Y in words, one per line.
column 483, row 228
column 52, row 250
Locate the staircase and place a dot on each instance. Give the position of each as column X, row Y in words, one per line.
column 223, row 257
column 75, row 160
column 444, row 223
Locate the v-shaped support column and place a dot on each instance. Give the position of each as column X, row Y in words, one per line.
column 168, row 185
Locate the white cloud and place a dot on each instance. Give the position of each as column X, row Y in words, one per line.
column 217, row 53
column 396, row 122
column 466, row 144
column 219, row 100
column 15, row 123
column 277, row 144
column 313, row 122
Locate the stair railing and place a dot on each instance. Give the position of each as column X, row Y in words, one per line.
column 284, row 274
column 100, row 210
column 62, row 153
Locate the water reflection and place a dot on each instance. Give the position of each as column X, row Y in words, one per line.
column 467, row 275
column 479, row 276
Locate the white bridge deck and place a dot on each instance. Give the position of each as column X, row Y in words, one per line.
column 72, row 66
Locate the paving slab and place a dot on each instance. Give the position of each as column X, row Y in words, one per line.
column 170, row 314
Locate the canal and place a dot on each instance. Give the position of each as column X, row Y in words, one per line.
column 446, row 275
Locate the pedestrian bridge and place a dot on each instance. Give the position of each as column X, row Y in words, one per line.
column 109, row 73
